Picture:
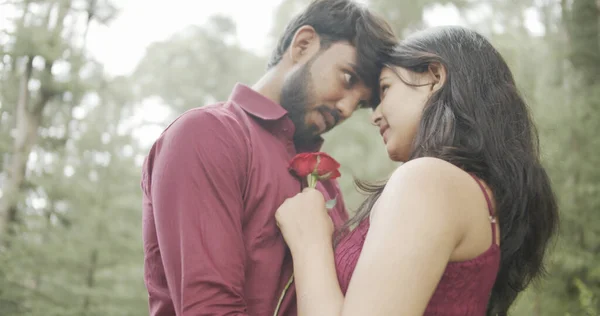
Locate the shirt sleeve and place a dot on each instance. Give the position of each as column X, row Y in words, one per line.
column 197, row 185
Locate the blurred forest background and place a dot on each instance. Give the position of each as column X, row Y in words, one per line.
column 70, row 202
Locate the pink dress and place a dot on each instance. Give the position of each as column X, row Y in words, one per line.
column 464, row 288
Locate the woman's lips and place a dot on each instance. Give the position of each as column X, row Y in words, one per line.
column 384, row 131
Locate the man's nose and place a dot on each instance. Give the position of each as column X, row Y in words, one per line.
column 347, row 106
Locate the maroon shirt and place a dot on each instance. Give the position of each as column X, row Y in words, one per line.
column 212, row 183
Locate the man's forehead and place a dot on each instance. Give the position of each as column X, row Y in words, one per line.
column 343, row 51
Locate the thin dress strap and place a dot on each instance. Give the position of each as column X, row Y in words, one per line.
column 490, row 208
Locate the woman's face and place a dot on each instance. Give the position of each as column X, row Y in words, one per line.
column 404, row 94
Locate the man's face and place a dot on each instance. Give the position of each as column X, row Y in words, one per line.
column 323, row 92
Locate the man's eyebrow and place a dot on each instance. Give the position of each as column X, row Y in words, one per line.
column 353, row 69
column 351, row 65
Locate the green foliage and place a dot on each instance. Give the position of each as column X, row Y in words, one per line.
column 76, row 243
column 408, row 15
column 197, row 66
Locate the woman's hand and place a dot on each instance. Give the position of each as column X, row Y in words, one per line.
column 304, row 222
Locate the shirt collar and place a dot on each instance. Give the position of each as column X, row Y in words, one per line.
column 266, row 109
column 256, row 104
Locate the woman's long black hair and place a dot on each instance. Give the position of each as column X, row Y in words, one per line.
column 479, row 122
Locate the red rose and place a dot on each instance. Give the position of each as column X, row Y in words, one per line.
column 303, row 164
column 327, row 168
column 319, row 165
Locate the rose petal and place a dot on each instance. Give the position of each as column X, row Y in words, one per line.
column 327, row 164
column 303, row 164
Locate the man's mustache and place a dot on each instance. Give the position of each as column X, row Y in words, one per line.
column 324, row 110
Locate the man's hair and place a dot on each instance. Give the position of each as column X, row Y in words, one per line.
column 345, row 21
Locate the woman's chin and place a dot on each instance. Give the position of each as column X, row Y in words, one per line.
column 394, row 154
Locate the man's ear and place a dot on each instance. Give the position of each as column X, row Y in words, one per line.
column 305, row 44
column 438, row 73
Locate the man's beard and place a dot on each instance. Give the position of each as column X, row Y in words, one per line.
column 296, row 96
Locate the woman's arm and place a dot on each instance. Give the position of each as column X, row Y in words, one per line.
column 307, row 229
column 417, row 227
column 317, row 288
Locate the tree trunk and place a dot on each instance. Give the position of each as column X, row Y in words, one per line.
column 94, row 255
column 90, row 280
column 16, row 167
column 28, row 121
column 20, row 25
column 584, row 34
column 537, row 304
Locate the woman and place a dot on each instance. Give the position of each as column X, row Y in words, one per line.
column 462, row 226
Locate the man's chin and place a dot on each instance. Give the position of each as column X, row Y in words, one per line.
column 308, row 139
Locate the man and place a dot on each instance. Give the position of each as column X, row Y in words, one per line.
column 214, row 179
